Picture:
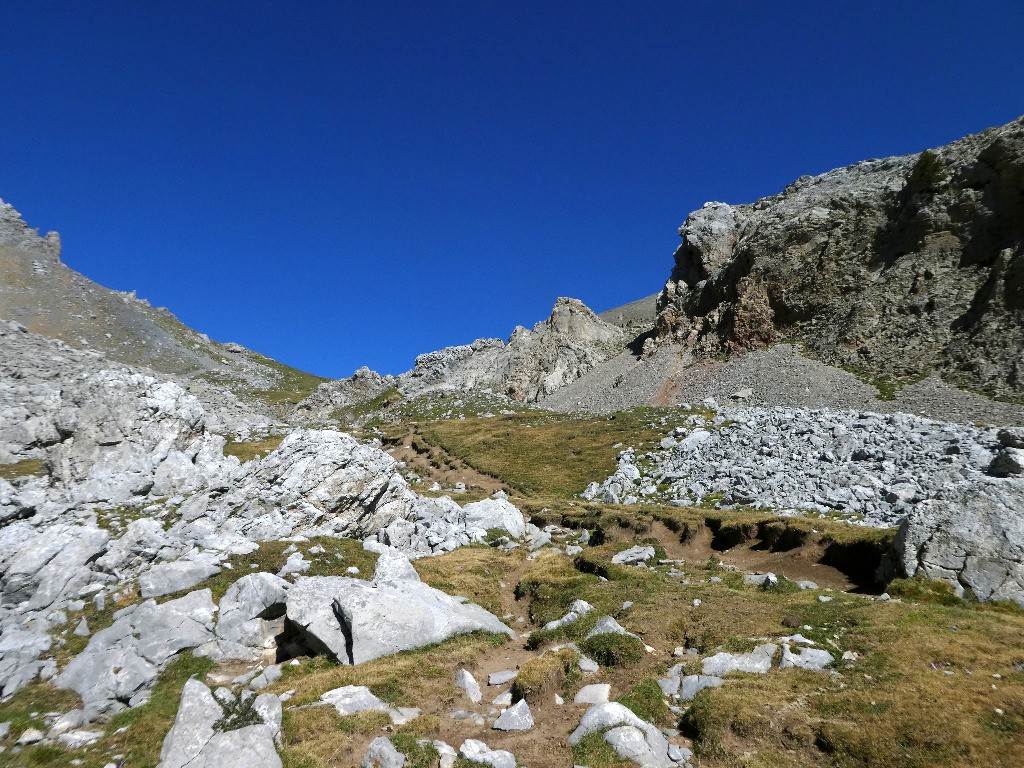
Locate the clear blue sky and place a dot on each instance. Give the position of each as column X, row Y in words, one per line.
column 337, row 184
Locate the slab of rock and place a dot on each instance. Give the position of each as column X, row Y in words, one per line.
column 351, row 699
column 495, row 512
column 757, row 661
column 577, row 609
column 808, row 658
column 973, row 539
column 597, row 693
column 165, row 578
column 634, row 555
column 355, row 621
column 502, row 677
column 515, row 718
column 607, row 625
column 603, row 717
column 121, row 662
column 249, row 619
column 691, row 685
column 197, row 741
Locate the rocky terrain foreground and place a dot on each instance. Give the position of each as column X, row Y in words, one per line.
column 677, row 533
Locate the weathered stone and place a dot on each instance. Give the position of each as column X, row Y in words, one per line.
column 477, row 752
column 356, row 621
column 382, row 754
column 515, row 718
column 758, row 661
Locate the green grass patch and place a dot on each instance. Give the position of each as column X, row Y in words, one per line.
column 247, row 450
column 23, row 468
column 646, row 700
column 613, row 650
column 595, row 752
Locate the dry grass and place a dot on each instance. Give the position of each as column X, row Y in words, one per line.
column 546, row 675
column 471, row 572
column 252, row 449
column 23, row 468
column 547, row 454
column 319, row 737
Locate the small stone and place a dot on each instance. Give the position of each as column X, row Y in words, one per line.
column 500, row 678
column 597, row 693
column 515, row 718
column 468, row 683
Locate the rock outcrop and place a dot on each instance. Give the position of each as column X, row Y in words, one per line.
column 529, row 367
column 355, row 621
column 973, row 539
column 892, row 267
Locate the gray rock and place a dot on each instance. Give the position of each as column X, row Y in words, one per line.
column 268, row 676
column 196, row 741
column 351, row 699
column 249, row 619
column 808, row 658
column 602, row 717
column 606, row 625
column 477, row 752
column 465, row 680
column 758, row 661
column 356, row 621
column 576, row 610
column 691, row 685
column 515, row 718
column 165, row 578
column 382, row 754
column 500, row 678
column 597, row 693
column 634, row 555
column 973, row 539
column 30, row 736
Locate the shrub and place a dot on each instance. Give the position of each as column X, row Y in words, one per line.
column 611, row 650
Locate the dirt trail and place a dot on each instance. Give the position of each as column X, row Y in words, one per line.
column 796, row 564
column 416, row 452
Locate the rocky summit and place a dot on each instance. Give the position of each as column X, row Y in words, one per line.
column 770, row 515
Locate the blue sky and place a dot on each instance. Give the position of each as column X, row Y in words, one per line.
column 337, row 184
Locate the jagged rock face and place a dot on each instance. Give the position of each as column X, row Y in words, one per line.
column 891, row 267
column 124, row 434
column 532, row 365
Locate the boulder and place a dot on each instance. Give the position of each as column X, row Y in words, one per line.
column 634, row 555
column 515, row 718
column 477, row 752
column 222, row 731
column 973, row 539
column 355, row 621
column 165, row 578
column 249, row 619
column 465, row 680
column 758, row 661
column 382, row 754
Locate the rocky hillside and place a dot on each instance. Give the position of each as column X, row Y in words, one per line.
column 39, row 291
column 891, row 268
column 529, row 367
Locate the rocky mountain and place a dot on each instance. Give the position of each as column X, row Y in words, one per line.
column 50, row 299
column 516, row 566
column 529, row 367
column 891, row 268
